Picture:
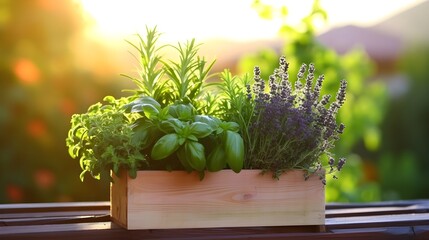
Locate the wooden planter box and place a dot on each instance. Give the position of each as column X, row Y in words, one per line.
column 163, row 200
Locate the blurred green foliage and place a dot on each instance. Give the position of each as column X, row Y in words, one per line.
column 404, row 162
column 366, row 99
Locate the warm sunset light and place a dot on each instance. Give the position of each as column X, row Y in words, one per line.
column 26, row 71
column 234, row 20
column 93, row 88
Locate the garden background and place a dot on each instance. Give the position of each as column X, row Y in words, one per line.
column 56, row 59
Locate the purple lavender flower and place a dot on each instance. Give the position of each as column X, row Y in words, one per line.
column 292, row 127
column 248, row 92
column 341, row 163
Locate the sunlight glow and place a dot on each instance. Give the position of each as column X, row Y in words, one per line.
column 26, row 71
column 234, row 20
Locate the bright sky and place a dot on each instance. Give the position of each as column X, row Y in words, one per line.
column 227, row 19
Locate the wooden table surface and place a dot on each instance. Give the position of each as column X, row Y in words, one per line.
column 91, row 220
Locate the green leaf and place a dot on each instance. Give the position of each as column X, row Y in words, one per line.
column 209, row 120
column 216, row 160
column 165, row 146
column 82, row 175
column 109, row 99
column 183, row 112
column 181, row 155
column 234, row 150
column 171, row 125
column 132, row 172
column 116, row 168
column 192, row 138
column 195, row 155
column 142, row 135
column 181, row 140
column 163, row 114
column 74, row 151
column 94, row 108
column 200, row 129
column 149, row 110
column 219, row 131
column 231, row 126
column 136, row 105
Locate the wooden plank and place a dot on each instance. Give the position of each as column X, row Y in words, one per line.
column 107, row 230
column 46, row 207
column 52, row 214
column 412, row 219
column 160, row 199
column 54, row 220
column 394, row 224
column 423, row 203
column 372, row 211
column 421, row 232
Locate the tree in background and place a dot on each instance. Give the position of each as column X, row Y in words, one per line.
column 362, row 112
column 43, row 81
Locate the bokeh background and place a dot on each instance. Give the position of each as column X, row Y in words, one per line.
column 59, row 57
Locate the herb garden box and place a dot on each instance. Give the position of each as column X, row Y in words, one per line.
column 163, row 200
column 177, row 120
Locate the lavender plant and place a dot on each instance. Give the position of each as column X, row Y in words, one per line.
column 293, row 126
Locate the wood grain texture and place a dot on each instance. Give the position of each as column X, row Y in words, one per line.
column 165, row 200
column 119, row 199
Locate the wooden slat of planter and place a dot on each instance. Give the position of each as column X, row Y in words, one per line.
column 119, row 199
column 159, row 199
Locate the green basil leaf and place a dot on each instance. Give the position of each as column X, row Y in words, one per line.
column 132, row 106
column 211, row 121
column 183, row 112
column 181, row 140
column 140, row 123
column 230, row 126
column 141, row 135
column 171, row 125
column 200, row 129
column 219, row 131
column 192, row 138
column 165, row 146
column 234, row 150
column 181, row 155
column 195, row 155
column 149, row 111
column 144, row 133
column 163, row 114
column 216, row 160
